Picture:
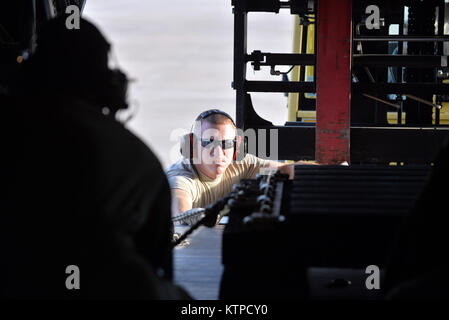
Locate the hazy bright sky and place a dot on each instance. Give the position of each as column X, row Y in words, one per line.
column 181, row 55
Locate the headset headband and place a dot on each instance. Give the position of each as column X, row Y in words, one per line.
column 210, row 112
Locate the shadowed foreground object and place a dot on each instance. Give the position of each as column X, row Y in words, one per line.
column 77, row 187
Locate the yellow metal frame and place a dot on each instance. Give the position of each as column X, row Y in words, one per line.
column 310, row 49
column 293, row 97
column 392, row 117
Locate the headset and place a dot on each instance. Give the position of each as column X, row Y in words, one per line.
column 92, row 79
column 114, row 90
column 116, row 84
column 189, row 141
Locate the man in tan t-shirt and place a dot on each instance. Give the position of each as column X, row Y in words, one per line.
column 196, row 184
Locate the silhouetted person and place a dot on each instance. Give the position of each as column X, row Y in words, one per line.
column 420, row 262
column 78, row 188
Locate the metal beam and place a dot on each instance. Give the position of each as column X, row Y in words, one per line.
column 279, row 86
column 404, row 38
column 333, row 81
column 388, row 60
column 401, row 88
column 368, row 144
column 240, row 31
column 283, row 59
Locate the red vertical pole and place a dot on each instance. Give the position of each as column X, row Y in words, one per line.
column 333, row 80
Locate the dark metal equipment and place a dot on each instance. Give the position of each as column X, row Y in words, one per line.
column 20, row 23
column 360, row 76
column 314, row 237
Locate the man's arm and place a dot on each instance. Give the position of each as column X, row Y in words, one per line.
column 181, row 201
column 288, row 168
column 182, row 204
column 282, row 167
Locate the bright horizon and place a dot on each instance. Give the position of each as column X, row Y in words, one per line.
column 181, row 55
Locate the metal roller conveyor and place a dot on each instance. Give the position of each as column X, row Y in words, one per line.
column 340, row 218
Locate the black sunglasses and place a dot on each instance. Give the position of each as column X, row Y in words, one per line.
column 212, row 143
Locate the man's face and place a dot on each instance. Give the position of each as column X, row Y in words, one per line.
column 216, row 147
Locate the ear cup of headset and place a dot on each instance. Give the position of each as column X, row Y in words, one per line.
column 234, row 156
column 240, row 148
column 118, row 90
column 112, row 89
column 186, row 146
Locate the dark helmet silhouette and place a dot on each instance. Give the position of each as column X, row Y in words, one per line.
column 75, row 62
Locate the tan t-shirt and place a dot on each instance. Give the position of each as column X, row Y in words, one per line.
column 204, row 190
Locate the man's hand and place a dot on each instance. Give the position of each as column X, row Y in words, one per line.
column 182, row 205
column 307, row 163
column 194, row 215
column 290, row 168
